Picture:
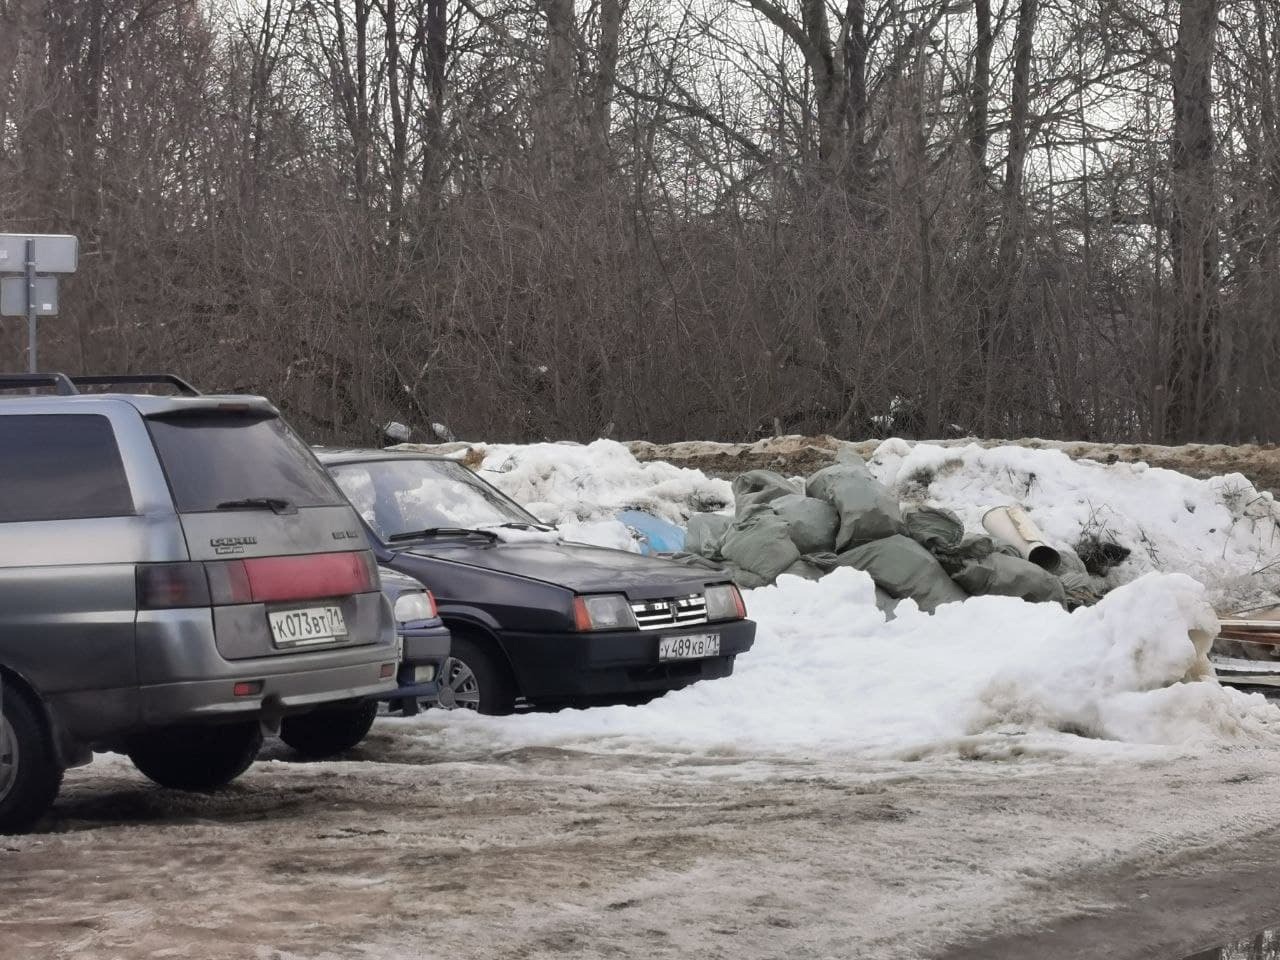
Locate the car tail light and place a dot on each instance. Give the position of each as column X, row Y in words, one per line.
column 741, row 604
column 163, row 586
column 229, row 582
column 307, row 577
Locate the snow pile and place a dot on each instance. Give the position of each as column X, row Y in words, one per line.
column 558, row 481
column 1222, row 531
column 581, row 488
column 989, row 677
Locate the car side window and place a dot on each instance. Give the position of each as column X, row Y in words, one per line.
column 61, row 467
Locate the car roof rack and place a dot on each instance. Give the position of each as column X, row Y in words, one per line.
column 60, row 381
column 70, row 386
column 135, row 379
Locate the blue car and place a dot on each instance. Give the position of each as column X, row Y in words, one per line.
column 423, row 644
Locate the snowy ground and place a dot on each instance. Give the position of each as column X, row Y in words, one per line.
column 859, row 788
column 412, row 849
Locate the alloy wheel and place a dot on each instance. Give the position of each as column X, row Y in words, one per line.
column 8, row 757
column 459, row 688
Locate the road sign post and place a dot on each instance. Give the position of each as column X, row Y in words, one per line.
column 30, row 256
column 31, row 305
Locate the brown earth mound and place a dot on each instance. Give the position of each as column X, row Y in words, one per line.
column 804, row 455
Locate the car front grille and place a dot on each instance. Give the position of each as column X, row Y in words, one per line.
column 674, row 612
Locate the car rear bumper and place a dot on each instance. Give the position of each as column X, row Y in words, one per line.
column 183, row 678
column 280, row 694
column 604, row 666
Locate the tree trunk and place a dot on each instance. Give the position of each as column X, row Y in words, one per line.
column 17, row 24
column 980, row 96
column 1193, row 233
column 826, row 85
column 611, row 12
column 558, row 124
column 1002, row 336
column 437, row 49
column 855, row 82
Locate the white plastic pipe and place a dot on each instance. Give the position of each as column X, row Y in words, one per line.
column 1014, row 527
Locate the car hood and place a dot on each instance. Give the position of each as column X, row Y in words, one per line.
column 581, row 568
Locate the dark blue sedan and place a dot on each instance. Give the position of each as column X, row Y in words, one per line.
column 537, row 622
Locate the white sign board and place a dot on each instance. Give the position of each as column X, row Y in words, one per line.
column 13, row 297
column 55, row 253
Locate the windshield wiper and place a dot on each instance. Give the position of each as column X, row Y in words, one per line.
column 440, row 532
column 523, row 525
column 257, row 503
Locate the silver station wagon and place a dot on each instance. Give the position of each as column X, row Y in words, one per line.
column 178, row 574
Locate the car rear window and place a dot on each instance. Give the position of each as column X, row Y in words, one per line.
column 61, row 466
column 213, row 458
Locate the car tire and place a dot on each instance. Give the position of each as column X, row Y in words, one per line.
column 326, row 731
column 30, row 773
column 197, row 758
column 472, row 678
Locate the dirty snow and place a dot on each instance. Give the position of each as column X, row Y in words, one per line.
column 559, row 482
column 1222, row 530
column 546, row 854
column 581, row 488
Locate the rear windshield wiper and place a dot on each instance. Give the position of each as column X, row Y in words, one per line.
column 440, row 532
column 257, row 503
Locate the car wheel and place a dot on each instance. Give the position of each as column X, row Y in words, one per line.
column 197, row 758
column 472, row 679
column 30, row 774
column 329, row 730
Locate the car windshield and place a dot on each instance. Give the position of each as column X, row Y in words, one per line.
column 399, row 497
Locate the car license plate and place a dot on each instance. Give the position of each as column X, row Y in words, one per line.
column 310, row 626
column 691, row 647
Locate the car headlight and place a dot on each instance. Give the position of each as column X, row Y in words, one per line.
column 608, row 611
column 725, row 603
column 415, row 605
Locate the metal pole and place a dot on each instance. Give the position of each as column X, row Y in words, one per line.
column 4, row 728
column 31, row 305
